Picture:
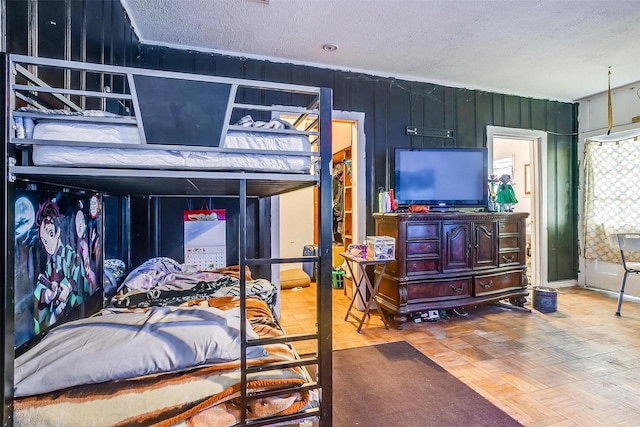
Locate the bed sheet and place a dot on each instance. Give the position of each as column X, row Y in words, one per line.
column 204, row 395
column 48, row 129
column 159, row 159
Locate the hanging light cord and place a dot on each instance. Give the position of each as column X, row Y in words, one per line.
column 609, row 107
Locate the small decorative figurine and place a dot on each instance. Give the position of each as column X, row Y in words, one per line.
column 494, row 181
column 506, row 197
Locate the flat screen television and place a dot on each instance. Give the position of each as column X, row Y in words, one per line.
column 441, row 178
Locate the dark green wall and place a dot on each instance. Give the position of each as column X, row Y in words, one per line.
column 390, row 105
column 81, row 30
column 98, row 31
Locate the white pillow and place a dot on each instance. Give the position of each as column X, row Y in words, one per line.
column 128, row 345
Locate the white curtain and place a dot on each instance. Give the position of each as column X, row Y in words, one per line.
column 611, row 192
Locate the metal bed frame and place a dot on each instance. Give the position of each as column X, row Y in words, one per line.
column 25, row 77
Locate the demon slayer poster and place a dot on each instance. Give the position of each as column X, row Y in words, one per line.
column 57, row 258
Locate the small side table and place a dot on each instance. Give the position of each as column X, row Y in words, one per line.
column 373, row 289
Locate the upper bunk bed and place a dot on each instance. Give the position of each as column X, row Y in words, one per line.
column 168, row 133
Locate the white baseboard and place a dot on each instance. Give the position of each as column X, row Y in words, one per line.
column 563, row 283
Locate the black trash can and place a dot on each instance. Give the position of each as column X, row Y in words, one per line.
column 545, row 300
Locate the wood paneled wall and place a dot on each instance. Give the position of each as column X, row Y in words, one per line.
column 390, row 105
column 99, row 31
column 81, row 30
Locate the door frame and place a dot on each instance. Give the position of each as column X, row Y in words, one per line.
column 539, row 234
column 358, row 155
column 359, row 185
column 358, row 182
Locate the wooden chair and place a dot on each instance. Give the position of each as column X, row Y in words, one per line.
column 626, row 242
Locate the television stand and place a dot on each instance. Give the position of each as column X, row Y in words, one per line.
column 448, row 260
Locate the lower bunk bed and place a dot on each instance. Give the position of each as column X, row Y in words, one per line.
column 162, row 353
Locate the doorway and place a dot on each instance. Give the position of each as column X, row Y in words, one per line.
column 293, row 214
column 524, row 151
column 349, row 144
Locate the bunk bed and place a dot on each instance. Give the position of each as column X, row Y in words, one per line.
column 93, row 130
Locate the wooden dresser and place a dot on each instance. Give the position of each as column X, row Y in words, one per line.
column 451, row 260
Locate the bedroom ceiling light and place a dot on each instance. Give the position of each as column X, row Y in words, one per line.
column 330, row 47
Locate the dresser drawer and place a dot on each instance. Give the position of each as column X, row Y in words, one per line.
column 509, row 258
column 431, row 247
column 494, row 283
column 419, row 266
column 509, row 227
column 435, row 290
column 509, row 242
column 423, row 230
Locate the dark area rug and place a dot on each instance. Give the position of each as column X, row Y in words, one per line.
column 395, row 385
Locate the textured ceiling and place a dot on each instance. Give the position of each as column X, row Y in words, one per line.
column 549, row 49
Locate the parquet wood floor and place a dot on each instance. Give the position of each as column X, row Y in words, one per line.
column 578, row 366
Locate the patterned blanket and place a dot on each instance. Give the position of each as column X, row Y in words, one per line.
column 163, row 281
column 205, row 395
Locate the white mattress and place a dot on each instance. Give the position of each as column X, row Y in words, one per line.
column 44, row 155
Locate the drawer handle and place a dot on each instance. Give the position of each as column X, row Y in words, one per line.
column 508, row 260
column 486, row 285
column 454, row 289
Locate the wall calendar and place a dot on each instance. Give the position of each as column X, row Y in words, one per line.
column 205, row 238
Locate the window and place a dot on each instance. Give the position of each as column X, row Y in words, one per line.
column 611, row 194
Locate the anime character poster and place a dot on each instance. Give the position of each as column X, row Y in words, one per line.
column 57, row 258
